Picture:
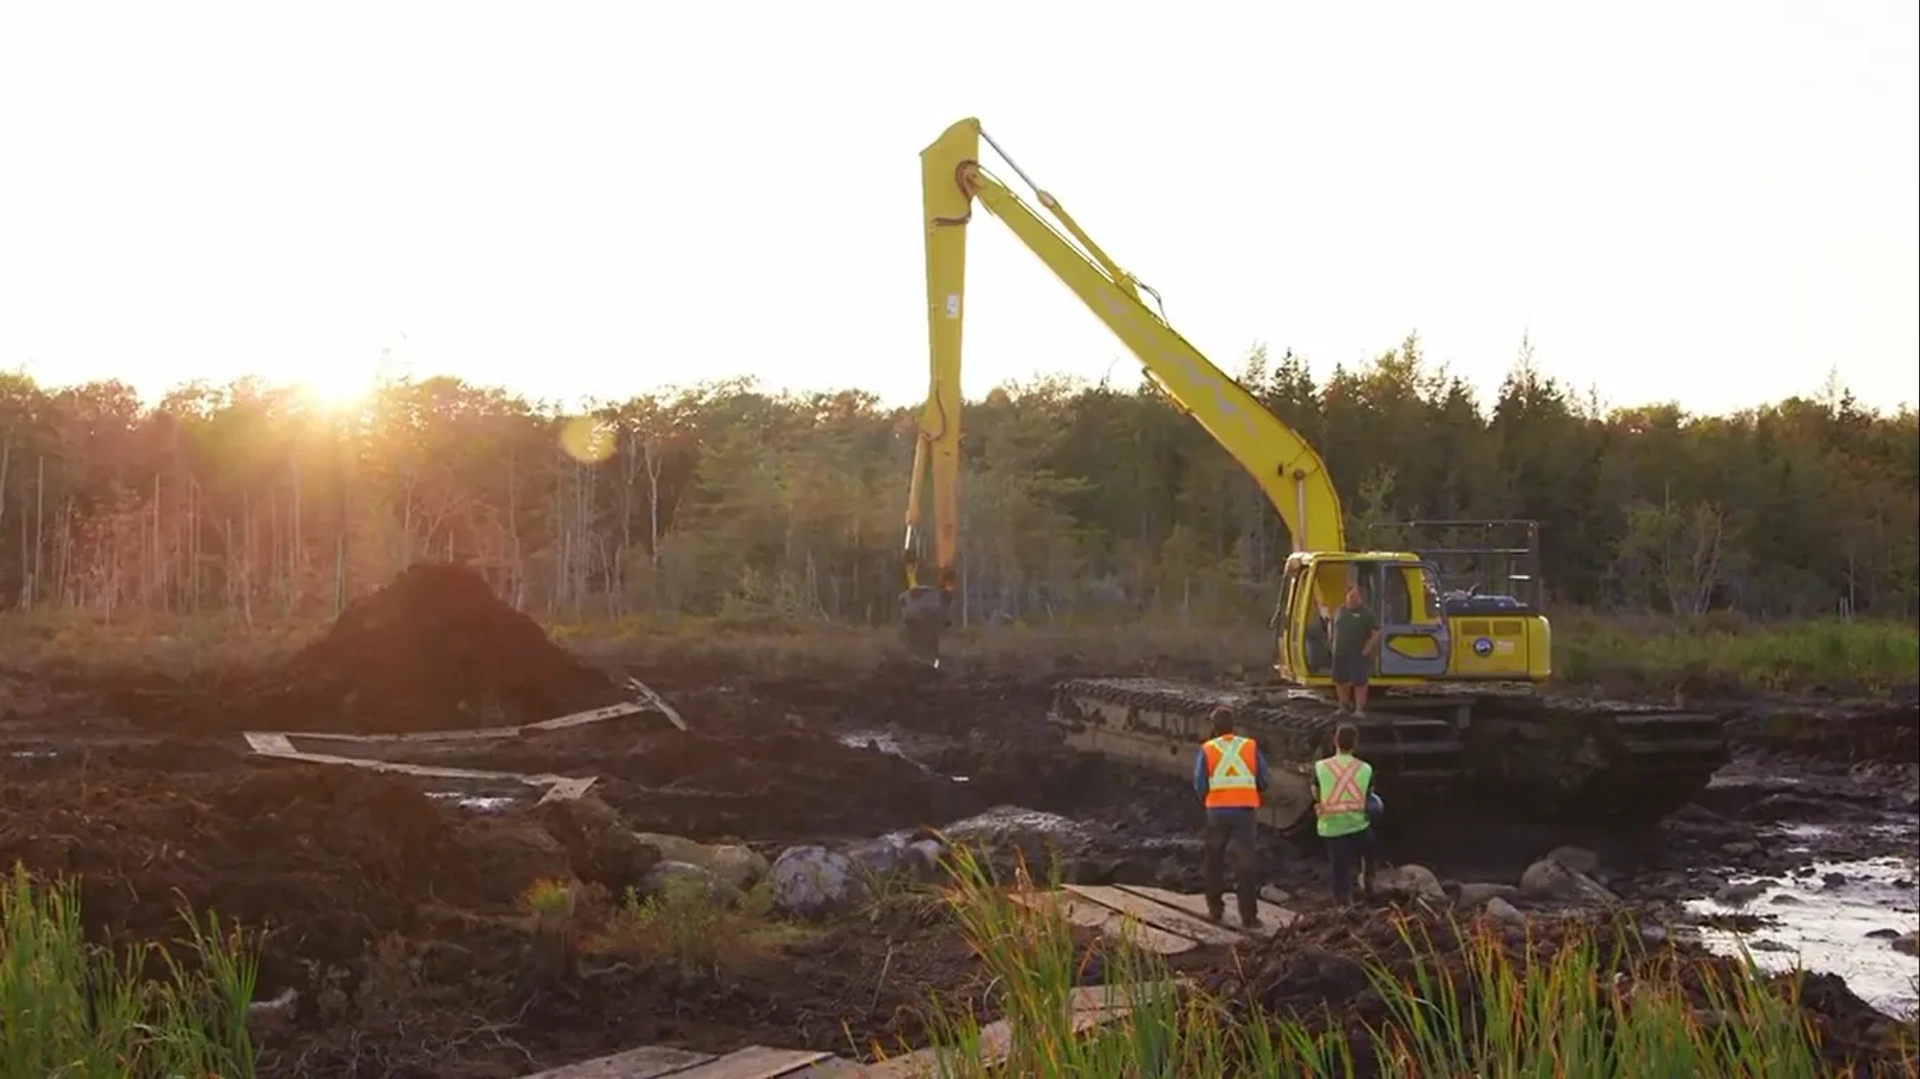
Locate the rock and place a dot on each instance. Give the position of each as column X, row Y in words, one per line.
column 670, row 873
column 1653, row 934
column 812, row 881
column 1578, row 859
column 880, row 859
column 927, row 858
column 738, row 866
column 1742, row 849
column 1906, row 944
column 1739, row 895
column 1276, row 896
column 1833, row 880
column 1785, row 899
column 1550, row 878
column 1765, row 945
column 1476, row 895
column 1883, row 934
column 1503, row 911
column 1007, row 837
column 1409, row 882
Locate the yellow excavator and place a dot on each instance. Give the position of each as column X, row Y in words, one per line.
column 1458, row 667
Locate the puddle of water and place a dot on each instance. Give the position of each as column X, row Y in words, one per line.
column 477, row 803
column 1825, row 927
column 887, row 744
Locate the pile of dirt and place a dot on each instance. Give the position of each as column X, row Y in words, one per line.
column 435, row 649
column 327, row 858
column 1320, row 966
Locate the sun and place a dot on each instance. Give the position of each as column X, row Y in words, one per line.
column 337, row 387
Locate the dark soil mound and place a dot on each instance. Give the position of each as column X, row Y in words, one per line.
column 434, row 650
column 1317, row 968
column 326, row 857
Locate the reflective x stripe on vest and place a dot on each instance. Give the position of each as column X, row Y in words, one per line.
column 1342, row 783
column 1340, row 790
column 1230, row 780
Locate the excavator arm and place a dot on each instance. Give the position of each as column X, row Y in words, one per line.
column 1288, row 470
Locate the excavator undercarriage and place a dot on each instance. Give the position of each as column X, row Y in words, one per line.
column 1587, row 761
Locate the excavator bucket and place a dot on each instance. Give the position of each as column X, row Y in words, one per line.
column 923, row 617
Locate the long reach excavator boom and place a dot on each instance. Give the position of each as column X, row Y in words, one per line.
column 1289, row 471
column 1456, row 667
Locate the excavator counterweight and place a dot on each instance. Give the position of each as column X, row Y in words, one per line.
column 1456, row 669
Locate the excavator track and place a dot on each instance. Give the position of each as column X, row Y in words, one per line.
column 1161, row 724
column 1591, row 761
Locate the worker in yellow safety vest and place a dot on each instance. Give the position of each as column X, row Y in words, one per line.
column 1342, row 785
column 1229, row 774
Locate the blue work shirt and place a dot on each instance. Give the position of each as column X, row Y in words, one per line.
column 1201, row 777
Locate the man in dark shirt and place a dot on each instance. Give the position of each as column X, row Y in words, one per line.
column 1356, row 633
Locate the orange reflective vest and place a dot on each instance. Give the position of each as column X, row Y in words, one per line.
column 1231, row 760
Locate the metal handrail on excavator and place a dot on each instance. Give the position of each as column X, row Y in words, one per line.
column 1287, row 469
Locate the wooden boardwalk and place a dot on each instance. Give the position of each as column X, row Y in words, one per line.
column 1165, row 922
column 280, row 744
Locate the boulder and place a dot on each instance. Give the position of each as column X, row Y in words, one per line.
column 1502, row 911
column 665, row 875
column 1409, row 882
column 1906, row 944
column 813, row 882
column 1549, row 878
column 1579, row 859
column 1007, row 837
column 1474, row 896
column 740, row 867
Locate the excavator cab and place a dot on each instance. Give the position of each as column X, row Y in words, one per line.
column 1462, row 605
column 1416, row 644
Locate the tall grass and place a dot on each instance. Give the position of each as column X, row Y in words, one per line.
column 1719, row 654
column 1713, row 653
column 1548, row 1011
column 77, row 1011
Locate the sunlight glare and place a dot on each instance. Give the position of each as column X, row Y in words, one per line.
column 339, row 387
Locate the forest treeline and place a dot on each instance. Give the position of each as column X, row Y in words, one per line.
column 1080, row 501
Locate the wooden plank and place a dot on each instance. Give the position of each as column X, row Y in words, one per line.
column 756, row 1062
column 995, row 1047
column 481, row 734
column 1095, row 998
column 1092, row 915
column 1157, row 915
column 647, row 1062
column 1275, row 917
column 647, row 694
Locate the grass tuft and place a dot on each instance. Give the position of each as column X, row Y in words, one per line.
column 69, row 1008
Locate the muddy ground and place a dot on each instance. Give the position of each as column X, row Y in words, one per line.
column 394, row 903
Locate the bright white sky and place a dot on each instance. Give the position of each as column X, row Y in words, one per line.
column 1712, row 201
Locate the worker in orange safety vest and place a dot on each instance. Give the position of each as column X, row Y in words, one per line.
column 1344, row 807
column 1229, row 774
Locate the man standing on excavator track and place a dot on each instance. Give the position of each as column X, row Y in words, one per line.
column 1230, row 774
column 1356, row 633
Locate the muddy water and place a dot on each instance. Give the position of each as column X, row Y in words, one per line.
column 1839, row 917
column 885, row 742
